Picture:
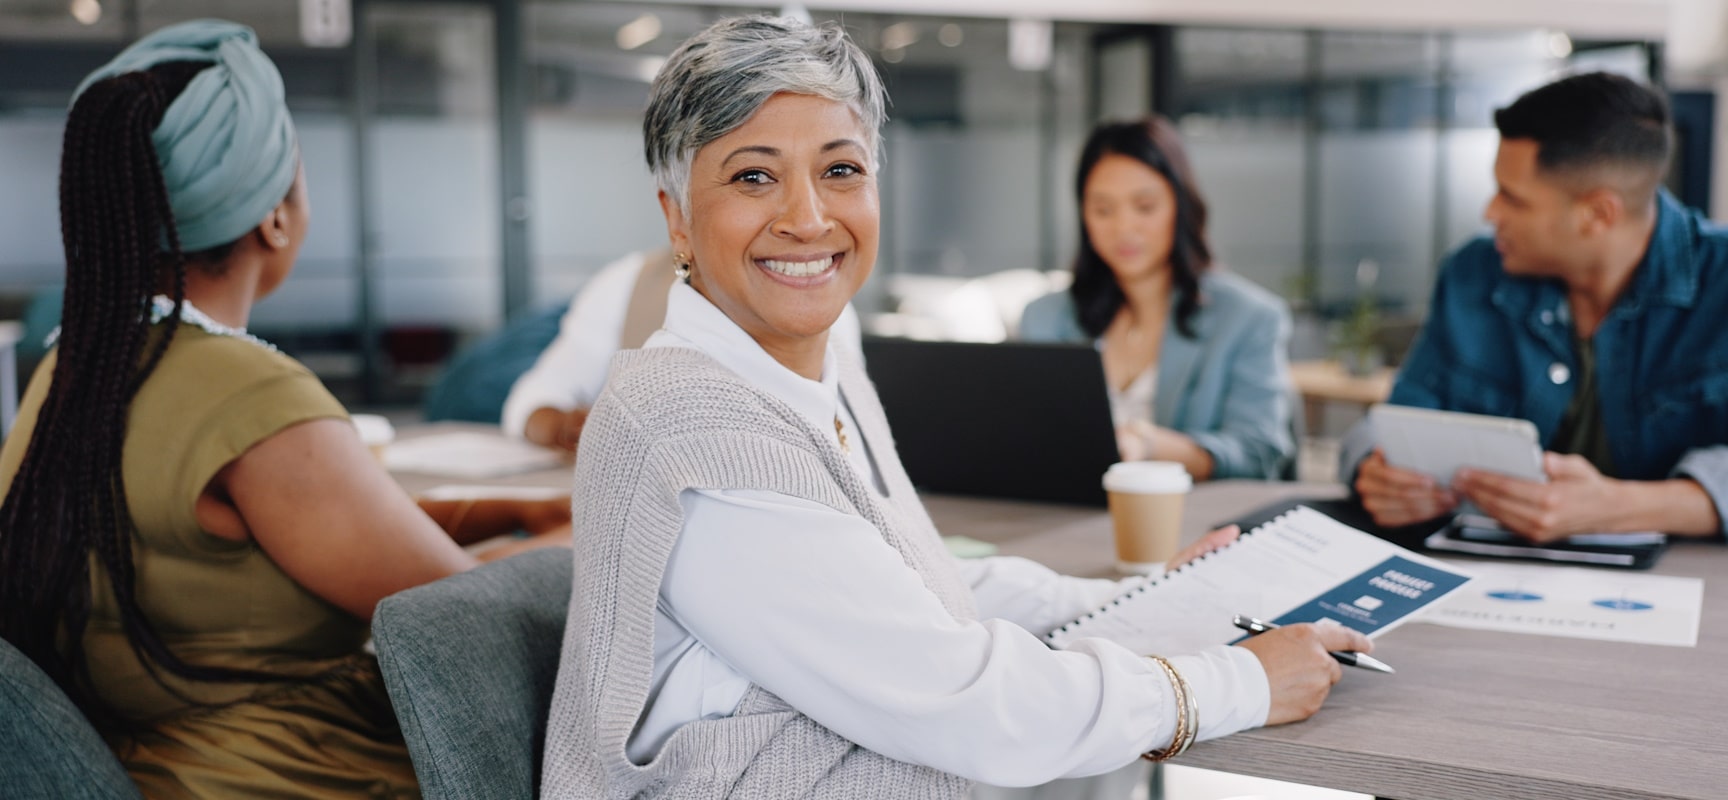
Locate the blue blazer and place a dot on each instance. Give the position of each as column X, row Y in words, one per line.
column 1228, row 388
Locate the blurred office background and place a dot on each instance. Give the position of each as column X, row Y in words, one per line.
column 470, row 161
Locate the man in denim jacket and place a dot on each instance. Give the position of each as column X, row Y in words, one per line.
column 1598, row 311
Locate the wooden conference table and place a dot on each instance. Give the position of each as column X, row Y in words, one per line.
column 1470, row 714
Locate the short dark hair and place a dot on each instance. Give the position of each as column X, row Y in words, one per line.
column 1152, row 141
column 1592, row 120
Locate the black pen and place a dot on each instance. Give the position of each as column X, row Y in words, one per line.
column 1347, row 658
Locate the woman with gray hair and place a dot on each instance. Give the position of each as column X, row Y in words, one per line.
column 762, row 607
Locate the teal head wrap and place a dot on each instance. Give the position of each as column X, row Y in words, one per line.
column 226, row 144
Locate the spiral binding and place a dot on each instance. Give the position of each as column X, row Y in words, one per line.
column 1152, row 582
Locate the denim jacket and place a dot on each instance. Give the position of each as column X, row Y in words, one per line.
column 1503, row 345
column 1228, row 388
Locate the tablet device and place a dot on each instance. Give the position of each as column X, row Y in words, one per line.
column 1439, row 443
column 1482, row 536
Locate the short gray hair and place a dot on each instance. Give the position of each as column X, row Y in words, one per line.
column 716, row 80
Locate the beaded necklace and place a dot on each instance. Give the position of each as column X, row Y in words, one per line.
column 161, row 306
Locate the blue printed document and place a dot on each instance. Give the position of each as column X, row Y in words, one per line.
column 1301, row 567
column 1609, row 605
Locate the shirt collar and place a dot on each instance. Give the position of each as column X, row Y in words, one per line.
column 1668, row 274
column 692, row 321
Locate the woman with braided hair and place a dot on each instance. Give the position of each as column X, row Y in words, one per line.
column 193, row 536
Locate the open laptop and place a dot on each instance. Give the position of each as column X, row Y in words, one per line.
column 1025, row 421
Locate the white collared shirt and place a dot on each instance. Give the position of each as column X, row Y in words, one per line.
column 813, row 605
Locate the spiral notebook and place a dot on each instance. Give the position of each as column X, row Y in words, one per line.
column 1302, row 566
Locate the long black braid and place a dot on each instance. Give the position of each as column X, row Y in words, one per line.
column 67, row 503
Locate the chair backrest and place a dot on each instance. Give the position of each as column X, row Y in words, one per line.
column 47, row 748
column 470, row 663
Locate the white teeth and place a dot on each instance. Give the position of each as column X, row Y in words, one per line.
column 799, row 269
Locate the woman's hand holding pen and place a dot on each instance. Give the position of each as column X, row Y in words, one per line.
column 1299, row 666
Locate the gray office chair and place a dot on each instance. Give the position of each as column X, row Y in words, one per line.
column 48, row 750
column 470, row 662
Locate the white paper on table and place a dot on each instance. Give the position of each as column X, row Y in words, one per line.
column 468, row 454
column 482, row 491
column 1609, row 605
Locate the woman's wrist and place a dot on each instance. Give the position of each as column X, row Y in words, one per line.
column 1231, row 686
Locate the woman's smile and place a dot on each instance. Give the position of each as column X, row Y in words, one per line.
column 799, row 271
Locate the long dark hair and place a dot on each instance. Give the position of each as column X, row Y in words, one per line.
column 67, row 501
column 1154, row 142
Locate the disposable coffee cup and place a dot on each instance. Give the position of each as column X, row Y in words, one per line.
column 376, row 433
column 1146, row 499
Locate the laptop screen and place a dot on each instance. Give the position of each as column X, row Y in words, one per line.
column 1028, row 421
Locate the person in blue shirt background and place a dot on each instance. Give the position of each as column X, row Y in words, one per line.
column 1595, row 312
column 1195, row 356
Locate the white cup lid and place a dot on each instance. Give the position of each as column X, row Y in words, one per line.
column 1147, row 477
column 373, row 429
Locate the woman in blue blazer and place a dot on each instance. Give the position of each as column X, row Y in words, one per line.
column 1194, row 355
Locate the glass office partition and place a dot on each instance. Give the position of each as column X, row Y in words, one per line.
column 1319, row 151
column 591, row 196
column 431, row 172
column 1486, row 71
column 977, row 150
column 1242, row 105
column 67, row 21
column 47, row 50
column 1377, row 167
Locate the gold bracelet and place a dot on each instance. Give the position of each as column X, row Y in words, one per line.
column 1181, row 714
column 1193, row 713
column 1191, row 704
column 1187, row 714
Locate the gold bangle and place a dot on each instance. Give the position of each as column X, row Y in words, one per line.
column 1187, row 714
column 1193, row 713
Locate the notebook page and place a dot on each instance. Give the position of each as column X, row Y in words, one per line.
column 1302, row 566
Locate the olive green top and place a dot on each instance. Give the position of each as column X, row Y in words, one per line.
column 221, row 602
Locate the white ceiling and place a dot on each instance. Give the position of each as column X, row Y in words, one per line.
column 1641, row 19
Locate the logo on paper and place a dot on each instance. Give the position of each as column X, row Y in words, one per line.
column 1622, row 604
column 1515, row 596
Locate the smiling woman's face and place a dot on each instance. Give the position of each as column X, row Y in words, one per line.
column 783, row 222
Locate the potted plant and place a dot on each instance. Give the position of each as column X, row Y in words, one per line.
column 1356, row 340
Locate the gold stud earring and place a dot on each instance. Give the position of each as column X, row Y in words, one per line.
column 680, row 266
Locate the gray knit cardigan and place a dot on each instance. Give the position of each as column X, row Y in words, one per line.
column 672, row 419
